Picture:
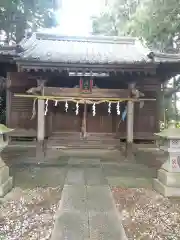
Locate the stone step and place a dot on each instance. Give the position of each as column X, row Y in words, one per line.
column 79, row 141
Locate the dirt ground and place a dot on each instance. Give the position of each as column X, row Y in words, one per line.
column 29, row 215
column 27, row 212
column 148, row 215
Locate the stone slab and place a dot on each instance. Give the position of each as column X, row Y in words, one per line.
column 168, row 178
column 94, row 176
column 6, row 187
column 106, row 226
column 73, row 199
column 99, row 199
column 84, row 161
column 165, row 190
column 71, row 226
column 75, row 177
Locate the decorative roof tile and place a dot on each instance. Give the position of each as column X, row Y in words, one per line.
column 8, row 50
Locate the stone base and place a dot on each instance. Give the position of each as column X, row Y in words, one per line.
column 6, row 187
column 165, row 190
column 129, row 151
column 169, row 179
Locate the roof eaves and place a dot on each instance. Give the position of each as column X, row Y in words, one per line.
column 166, row 57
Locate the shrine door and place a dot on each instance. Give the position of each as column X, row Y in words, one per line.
column 101, row 122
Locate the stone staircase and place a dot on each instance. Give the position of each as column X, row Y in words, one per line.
column 63, row 140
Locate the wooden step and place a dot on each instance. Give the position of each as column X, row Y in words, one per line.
column 78, row 144
column 87, row 146
column 78, row 136
column 82, row 141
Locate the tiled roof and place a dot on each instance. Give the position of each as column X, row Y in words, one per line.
column 53, row 48
column 45, row 47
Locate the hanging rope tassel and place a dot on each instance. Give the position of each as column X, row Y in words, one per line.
column 93, row 109
column 77, row 108
column 46, row 108
column 109, row 108
column 56, row 103
column 66, row 106
column 34, row 109
column 118, row 109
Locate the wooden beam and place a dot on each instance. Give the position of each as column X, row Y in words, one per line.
column 59, row 67
column 75, row 92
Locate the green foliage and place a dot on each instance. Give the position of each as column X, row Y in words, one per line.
column 19, row 16
column 105, row 24
column 158, row 22
column 155, row 21
column 114, row 19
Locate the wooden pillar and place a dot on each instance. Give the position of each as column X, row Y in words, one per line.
column 130, row 125
column 41, row 121
column 8, row 99
column 40, row 151
column 84, row 123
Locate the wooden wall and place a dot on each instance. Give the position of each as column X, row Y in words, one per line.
column 146, row 120
column 19, row 111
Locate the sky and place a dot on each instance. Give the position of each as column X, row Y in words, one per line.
column 75, row 16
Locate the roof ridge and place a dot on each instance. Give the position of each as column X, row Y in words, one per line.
column 90, row 38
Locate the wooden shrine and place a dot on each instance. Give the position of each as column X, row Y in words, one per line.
column 67, row 88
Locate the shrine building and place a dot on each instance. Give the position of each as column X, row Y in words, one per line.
column 84, row 91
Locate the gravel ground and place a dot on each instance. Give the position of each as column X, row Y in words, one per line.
column 148, row 215
column 28, row 214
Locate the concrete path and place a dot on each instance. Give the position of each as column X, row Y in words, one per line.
column 87, row 210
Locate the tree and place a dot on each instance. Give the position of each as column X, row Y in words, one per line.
column 158, row 22
column 115, row 17
column 155, row 21
column 105, row 24
column 19, row 16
